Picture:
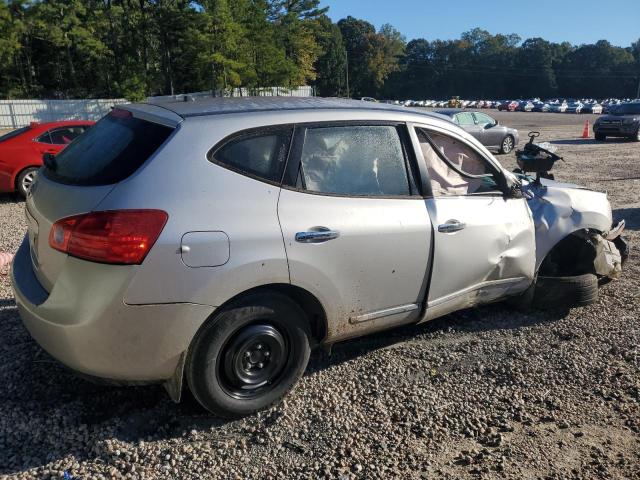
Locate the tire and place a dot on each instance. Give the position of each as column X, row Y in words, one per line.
column 248, row 356
column 507, row 144
column 600, row 138
column 24, row 180
column 636, row 137
column 575, row 291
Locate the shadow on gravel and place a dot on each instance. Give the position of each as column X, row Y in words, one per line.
column 631, row 217
column 474, row 320
column 10, row 198
column 53, row 414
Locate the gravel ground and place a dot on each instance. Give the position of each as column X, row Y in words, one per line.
column 484, row 393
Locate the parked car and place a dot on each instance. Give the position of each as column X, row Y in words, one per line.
column 573, row 107
column 293, row 222
column 623, row 121
column 21, row 151
column 558, row 107
column 541, row 107
column 508, row 106
column 525, row 106
column 484, row 128
column 592, row 108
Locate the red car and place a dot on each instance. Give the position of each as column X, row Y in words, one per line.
column 21, row 150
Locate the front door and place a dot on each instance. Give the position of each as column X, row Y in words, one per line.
column 356, row 233
column 484, row 244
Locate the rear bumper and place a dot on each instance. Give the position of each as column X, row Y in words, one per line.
column 84, row 323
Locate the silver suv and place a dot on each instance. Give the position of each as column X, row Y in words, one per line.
column 221, row 239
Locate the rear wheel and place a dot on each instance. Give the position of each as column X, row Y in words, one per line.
column 507, row 144
column 249, row 356
column 25, row 179
column 600, row 137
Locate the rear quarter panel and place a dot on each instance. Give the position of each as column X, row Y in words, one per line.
column 200, row 196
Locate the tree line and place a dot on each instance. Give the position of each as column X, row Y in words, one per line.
column 137, row 48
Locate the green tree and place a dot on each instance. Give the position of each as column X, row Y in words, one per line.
column 331, row 65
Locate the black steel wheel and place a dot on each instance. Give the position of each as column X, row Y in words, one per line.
column 249, row 355
column 253, row 360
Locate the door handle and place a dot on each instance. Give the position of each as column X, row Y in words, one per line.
column 451, row 226
column 317, row 235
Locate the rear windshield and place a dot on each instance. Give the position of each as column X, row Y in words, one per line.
column 627, row 109
column 109, row 152
column 14, row 133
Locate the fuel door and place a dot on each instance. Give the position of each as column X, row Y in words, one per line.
column 204, row 249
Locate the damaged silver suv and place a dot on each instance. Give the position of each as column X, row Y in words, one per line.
column 213, row 242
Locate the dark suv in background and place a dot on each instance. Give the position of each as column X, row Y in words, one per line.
column 623, row 121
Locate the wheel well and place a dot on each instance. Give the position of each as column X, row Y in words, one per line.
column 307, row 301
column 573, row 255
column 17, row 175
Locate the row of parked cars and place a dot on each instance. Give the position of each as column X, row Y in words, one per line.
column 556, row 105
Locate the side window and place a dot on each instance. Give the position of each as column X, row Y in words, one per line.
column 64, row 136
column 44, row 138
column 465, row 118
column 354, row 160
column 444, row 179
column 261, row 153
column 483, row 119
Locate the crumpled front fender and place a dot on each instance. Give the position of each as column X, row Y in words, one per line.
column 560, row 209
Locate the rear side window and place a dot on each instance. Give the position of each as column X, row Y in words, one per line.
column 44, row 138
column 465, row 118
column 63, row 136
column 354, row 160
column 261, row 153
column 108, row 152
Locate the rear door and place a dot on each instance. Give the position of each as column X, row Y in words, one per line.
column 356, row 232
column 484, row 244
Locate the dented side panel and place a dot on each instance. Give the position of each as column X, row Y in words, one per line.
column 560, row 209
column 492, row 256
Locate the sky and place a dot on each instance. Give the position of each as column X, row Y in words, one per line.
column 575, row 21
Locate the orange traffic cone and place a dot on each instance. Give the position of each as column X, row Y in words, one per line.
column 585, row 132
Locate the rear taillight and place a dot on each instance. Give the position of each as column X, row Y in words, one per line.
column 114, row 236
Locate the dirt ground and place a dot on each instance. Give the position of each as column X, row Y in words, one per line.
column 484, row 393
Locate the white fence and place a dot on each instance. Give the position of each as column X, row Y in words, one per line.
column 19, row 113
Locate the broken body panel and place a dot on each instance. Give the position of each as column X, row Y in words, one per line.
column 562, row 209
